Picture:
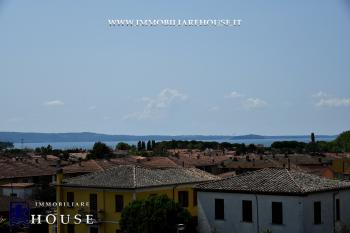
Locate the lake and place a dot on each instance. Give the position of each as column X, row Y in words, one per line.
column 112, row 144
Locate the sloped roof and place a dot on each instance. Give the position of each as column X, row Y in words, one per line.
column 95, row 165
column 88, row 166
column 198, row 160
column 133, row 176
column 159, row 162
column 274, row 181
column 24, row 168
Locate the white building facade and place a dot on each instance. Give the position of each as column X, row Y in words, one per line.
column 257, row 202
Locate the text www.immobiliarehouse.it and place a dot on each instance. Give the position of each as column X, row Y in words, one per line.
column 175, row 22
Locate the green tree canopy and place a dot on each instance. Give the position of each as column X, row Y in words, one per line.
column 155, row 214
column 100, row 150
column 5, row 145
column 343, row 141
column 123, row 146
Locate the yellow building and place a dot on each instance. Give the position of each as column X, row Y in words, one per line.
column 341, row 166
column 108, row 192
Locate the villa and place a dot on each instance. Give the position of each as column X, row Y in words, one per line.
column 279, row 200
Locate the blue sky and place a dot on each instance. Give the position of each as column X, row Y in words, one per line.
column 285, row 70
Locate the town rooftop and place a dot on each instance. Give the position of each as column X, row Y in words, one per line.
column 134, row 176
column 274, row 181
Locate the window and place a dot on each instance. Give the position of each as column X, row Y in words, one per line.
column 219, row 209
column 194, row 198
column 247, row 215
column 183, row 198
column 93, row 204
column 317, row 212
column 119, row 203
column 70, row 228
column 277, row 213
column 337, row 209
column 70, row 197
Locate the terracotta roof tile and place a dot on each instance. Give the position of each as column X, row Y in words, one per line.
column 24, row 168
column 274, row 180
column 133, row 176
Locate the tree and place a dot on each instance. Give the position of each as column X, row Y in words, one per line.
column 143, row 145
column 155, row 214
column 5, row 145
column 4, row 225
column 65, row 155
column 100, row 150
column 123, row 146
column 139, row 145
column 343, row 141
column 312, row 138
column 149, row 145
column 312, row 144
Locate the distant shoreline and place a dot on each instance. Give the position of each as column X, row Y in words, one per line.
column 89, row 144
column 23, row 137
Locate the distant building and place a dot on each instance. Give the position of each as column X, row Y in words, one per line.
column 341, row 167
column 273, row 199
column 210, row 161
column 19, row 170
column 323, row 171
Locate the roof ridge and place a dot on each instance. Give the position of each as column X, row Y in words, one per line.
column 290, row 175
column 98, row 165
column 134, row 175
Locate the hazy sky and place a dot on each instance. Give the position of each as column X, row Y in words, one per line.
column 285, row 70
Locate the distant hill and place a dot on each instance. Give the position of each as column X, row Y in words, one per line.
column 17, row 137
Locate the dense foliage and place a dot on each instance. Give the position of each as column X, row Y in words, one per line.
column 100, row 150
column 152, row 148
column 123, row 146
column 342, row 142
column 339, row 145
column 6, row 145
column 155, row 214
column 240, row 148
